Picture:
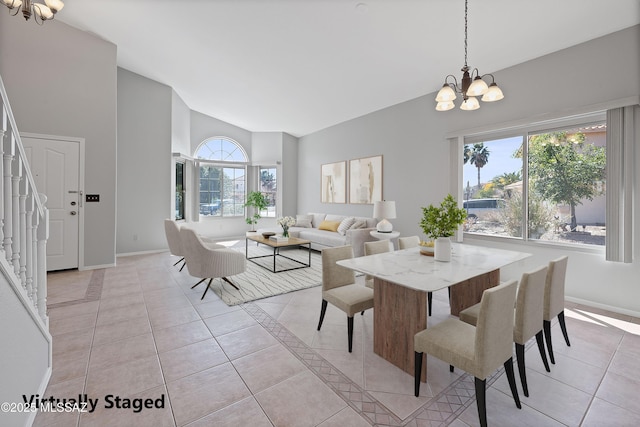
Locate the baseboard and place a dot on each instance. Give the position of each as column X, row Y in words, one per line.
column 604, row 306
column 154, row 251
column 96, row 267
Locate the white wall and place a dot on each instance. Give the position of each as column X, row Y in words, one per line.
column 180, row 125
column 144, row 162
column 62, row 81
column 24, row 358
column 288, row 179
column 412, row 137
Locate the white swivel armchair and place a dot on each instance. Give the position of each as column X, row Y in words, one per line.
column 172, row 232
column 210, row 260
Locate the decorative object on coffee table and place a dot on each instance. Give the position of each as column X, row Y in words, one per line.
column 440, row 223
column 285, row 223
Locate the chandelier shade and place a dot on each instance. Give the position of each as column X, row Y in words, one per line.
column 471, row 86
column 41, row 12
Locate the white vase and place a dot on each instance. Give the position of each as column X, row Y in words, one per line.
column 442, row 249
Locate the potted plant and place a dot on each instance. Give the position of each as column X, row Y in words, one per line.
column 258, row 202
column 440, row 223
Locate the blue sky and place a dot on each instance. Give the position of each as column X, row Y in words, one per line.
column 500, row 161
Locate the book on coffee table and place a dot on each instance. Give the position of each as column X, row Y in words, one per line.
column 278, row 239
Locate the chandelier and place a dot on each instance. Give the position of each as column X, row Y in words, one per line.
column 38, row 10
column 470, row 87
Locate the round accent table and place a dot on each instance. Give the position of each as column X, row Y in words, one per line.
column 391, row 236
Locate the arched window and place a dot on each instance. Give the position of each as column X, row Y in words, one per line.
column 222, row 165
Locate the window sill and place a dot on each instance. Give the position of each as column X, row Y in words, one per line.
column 589, row 249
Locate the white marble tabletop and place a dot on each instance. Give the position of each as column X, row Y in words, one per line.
column 411, row 269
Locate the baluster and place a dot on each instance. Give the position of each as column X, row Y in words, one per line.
column 3, row 130
column 43, row 236
column 23, row 184
column 34, row 251
column 7, row 159
column 29, row 247
column 15, row 215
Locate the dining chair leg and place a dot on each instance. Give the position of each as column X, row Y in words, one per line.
column 563, row 327
column 417, row 370
column 322, row 312
column 183, row 264
column 546, row 327
column 429, row 301
column 177, row 262
column 205, row 291
column 508, row 367
column 543, row 353
column 350, row 332
column 521, row 368
column 481, row 400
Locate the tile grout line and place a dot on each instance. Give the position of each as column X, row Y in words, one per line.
column 327, row 373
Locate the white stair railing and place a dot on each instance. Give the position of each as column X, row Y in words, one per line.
column 24, row 220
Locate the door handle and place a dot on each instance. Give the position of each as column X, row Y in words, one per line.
column 72, row 212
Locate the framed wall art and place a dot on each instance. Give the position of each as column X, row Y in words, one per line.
column 365, row 180
column 334, row 182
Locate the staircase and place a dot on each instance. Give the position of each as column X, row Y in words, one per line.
column 25, row 342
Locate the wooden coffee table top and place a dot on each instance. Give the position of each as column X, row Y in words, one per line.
column 293, row 241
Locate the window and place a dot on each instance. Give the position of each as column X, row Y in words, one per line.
column 552, row 180
column 180, row 191
column 222, row 178
column 268, row 187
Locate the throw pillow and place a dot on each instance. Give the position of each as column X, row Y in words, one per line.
column 345, row 224
column 359, row 223
column 305, row 223
column 303, row 219
column 329, row 225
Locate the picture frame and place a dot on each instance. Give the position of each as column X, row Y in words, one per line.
column 333, row 179
column 365, row 180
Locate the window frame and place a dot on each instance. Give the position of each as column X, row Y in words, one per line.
column 523, row 130
column 222, row 164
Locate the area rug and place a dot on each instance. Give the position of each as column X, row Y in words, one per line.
column 258, row 282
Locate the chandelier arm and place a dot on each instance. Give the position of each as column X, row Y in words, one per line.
column 17, row 10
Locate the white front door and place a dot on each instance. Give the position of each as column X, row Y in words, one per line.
column 55, row 164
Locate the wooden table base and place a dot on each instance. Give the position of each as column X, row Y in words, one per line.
column 400, row 313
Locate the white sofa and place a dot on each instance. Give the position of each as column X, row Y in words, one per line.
column 307, row 227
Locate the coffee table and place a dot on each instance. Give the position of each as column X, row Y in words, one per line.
column 292, row 241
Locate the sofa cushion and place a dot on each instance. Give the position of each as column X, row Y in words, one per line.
column 345, row 225
column 329, row 225
column 317, row 219
column 322, row 237
column 333, row 217
column 358, row 223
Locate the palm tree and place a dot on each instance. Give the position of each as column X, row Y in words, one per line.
column 479, row 157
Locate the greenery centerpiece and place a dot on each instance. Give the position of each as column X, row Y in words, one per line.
column 258, row 202
column 442, row 222
column 285, row 223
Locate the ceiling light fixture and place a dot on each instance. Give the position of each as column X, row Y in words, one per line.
column 470, row 87
column 43, row 11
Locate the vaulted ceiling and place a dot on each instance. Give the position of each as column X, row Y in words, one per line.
column 299, row 66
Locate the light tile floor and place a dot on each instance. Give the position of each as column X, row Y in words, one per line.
column 139, row 331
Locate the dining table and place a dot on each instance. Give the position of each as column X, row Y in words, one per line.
column 402, row 280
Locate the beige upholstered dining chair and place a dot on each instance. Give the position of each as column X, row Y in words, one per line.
column 372, row 248
column 414, row 242
column 408, row 242
column 478, row 350
column 340, row 289
column 527, row 318
column 209, row 260
column 554, row 301
column 172, row 233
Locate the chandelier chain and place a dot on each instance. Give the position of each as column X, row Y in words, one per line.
column 465, row 33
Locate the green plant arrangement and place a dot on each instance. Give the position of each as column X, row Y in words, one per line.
column 442, row 221
column 258, row 202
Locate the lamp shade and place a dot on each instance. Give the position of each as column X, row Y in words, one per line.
column 470, row 104
column 478, row 87
column 446, row 94
column 384, row 209
column 493, row 94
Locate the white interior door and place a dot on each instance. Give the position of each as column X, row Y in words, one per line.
column 55, row 167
